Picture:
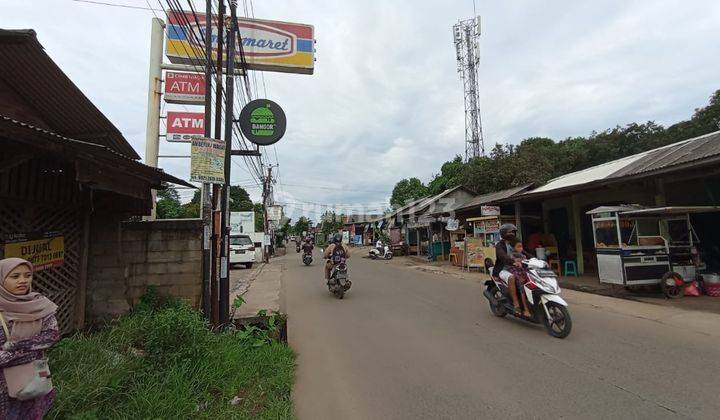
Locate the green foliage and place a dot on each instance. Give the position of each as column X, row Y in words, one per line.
column 407, row 190
column 168, row 204
column 240, row 199
column 259, row 217
column 539, row 159
column 129, row 369
column 284, row 231
column 176, row 333
column 302, row 225
column 330, row 223
column 449, row 176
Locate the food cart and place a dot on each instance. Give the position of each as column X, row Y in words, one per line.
column 638, row 246
column 480, row 245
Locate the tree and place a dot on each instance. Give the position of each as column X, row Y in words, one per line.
column 302, row 225
column 240, row 199
column 259, row 217
column 449, row 176
column 192, row 209
column 407, row 190
column 330, row 223
column 283, row 232
column 168, row 204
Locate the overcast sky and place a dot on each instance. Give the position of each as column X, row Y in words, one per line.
column 385, row 101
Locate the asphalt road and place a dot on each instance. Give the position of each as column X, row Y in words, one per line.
column 406, row 344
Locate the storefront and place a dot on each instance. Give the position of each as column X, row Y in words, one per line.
column 65, row 170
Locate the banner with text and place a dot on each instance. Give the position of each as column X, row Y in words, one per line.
column 207, row 160
column 43, row 249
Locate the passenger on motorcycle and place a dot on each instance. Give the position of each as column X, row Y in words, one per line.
column 504, row 260
column 334, row 254
column 520, row 273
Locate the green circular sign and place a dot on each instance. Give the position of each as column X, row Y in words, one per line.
column 263, row 122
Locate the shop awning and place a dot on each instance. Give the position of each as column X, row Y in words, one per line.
column 663, row 211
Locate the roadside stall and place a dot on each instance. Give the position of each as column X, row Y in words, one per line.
column 640, row 246
column 483, row 234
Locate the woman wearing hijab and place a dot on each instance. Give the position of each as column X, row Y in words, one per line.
column 28, row 328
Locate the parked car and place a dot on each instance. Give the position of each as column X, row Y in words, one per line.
column 242, row 250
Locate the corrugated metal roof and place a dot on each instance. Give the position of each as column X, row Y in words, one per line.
column 428, row 201
column 699, row 150
column 683, row 152
column 36, row 78
column 588, row 175
column 492, row 197
column 97, row 153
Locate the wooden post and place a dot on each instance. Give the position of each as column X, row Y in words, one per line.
column 417, row 235
column 577, row 222
column 82, row 279
column 518, row 221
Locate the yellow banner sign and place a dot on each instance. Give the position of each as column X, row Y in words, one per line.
column 207, row 160
column 43, row 250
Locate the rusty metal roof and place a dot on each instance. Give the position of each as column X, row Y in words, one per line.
column 683, row 152
column 35, row 77
column 112, row 160
column 493, row 197
column 695, row 153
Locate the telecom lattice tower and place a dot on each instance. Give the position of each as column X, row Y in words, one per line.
column 466, row 34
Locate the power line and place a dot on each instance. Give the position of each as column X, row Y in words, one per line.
column 333, row 188
column 126, row 6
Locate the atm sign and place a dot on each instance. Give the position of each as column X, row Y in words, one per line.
column 184, row 126
column 185, row 88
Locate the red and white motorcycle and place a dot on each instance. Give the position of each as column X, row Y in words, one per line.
column 543, row 298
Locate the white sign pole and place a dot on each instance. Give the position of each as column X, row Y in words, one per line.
column 152, row 129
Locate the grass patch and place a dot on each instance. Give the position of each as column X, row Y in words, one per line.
column 162, row 362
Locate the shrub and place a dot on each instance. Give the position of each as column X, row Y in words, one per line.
column 176, row 332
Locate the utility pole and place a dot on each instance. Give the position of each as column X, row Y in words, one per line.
column 214, row 292
column 205, row 197
column 152, row 128
column 266, row 195
column 225, row 211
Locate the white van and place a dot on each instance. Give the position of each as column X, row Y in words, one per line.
column 242, row 250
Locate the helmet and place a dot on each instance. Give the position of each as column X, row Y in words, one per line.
column 337, row 238
column 508, row 231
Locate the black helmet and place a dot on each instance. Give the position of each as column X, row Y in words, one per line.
column 337, row 238
column 508, row 231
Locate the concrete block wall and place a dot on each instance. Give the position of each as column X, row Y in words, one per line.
column 125, row 258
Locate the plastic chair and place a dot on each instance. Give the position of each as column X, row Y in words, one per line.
column 571, row 268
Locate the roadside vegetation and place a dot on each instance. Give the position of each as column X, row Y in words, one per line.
column 539, row 159
column 162, row 361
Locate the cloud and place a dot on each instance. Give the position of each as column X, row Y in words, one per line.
column 386, row 101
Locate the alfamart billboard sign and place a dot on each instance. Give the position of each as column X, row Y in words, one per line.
column 267, row 45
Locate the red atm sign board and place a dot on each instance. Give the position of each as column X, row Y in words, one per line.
column 184, row 126
column 185, row 88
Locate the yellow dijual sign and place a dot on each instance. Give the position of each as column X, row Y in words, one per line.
column 44, row 250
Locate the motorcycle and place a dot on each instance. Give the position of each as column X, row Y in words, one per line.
column 307, row 258
column 543, row 297
column 386, row 253
column 339, row 283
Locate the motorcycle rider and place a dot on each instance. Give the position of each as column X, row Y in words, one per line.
column 307, row 246
column 334, row 253
column 379, row 246
column 504, row 260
